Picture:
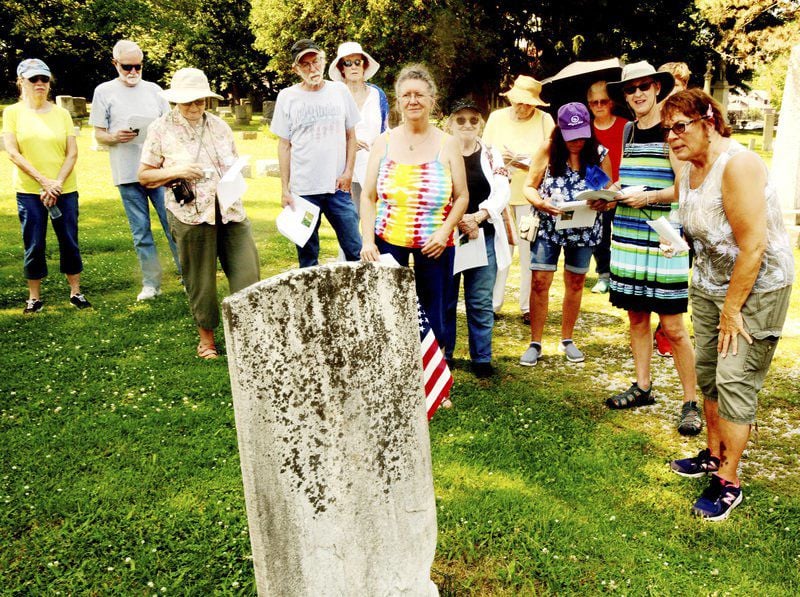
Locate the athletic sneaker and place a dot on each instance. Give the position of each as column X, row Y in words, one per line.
column 717, row 501
column 601, row 287
column 79, row 301
column 663, row 347
column 531, row 356
column 33, row 306
column 696, row 466
column 571, row 351
column 148, row 293
column 690, row 422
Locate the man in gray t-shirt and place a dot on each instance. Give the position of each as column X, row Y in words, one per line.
column 315, row 121
column 121, row 111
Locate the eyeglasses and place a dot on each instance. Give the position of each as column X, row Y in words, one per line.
column 197, row 102
column 599, row 103
column 39, row 79
column 631, row 89
column 356, row 62
column 462, row 120
column 308, row 65
column 129, row 67
column 408, row 97
column 679, row 128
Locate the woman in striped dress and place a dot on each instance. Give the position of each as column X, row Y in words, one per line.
column 416, row 176
column 643, row 280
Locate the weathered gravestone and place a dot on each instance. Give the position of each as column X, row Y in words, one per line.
column 326, row 378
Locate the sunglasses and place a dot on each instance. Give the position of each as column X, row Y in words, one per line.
column 462, row 120
column 197, row 102
column 679, row 128
column 631, row 89
column 356, row 62
column 129, row 67
column 39, row 79
column 599, row 103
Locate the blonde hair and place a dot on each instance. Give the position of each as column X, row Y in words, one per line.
column 679, row 70
column 418, row 72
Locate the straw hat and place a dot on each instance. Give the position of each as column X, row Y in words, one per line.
column 345, row 49
column 188, row 84
column 641, row 70
column 526, row 90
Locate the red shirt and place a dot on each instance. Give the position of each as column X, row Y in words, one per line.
column 611, row 139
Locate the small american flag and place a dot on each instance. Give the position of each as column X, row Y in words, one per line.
column 436, row 374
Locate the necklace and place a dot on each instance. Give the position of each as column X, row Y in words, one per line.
column 408, row 138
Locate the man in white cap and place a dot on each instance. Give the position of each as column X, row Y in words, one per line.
column 518, row 131
column 315, row 122
column 121, row 111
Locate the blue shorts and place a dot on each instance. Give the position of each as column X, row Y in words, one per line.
column 545, row 254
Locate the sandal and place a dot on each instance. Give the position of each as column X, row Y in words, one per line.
column 207, row 351
column 632, row 397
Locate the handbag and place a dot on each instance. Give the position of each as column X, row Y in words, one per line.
column 529, row 227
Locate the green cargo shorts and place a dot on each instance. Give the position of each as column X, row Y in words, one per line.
column 734, row 381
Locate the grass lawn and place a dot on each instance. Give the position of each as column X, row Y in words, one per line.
column 120, row 471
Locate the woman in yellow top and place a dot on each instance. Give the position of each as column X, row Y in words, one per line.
column 40, row 141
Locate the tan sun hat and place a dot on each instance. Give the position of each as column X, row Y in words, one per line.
column 526, row 90
column 641, row 70
column 187, row 85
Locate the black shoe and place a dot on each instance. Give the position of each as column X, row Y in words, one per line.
column 33, row 306
column 482, row 370
column 79, row 301
column 690, row 422
column 451, row 364
column 526, row 318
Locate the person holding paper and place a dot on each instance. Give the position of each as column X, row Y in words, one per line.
column 121, row 110
column 573, row 159
column 315, row 123
column 643, row 280
column 487, row 183
column 189, row 151
column 415, row 194
column 741, row 285
column 518, row 131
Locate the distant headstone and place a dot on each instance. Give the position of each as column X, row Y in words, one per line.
column 267, row 168
column 787, row 145
column 242, row 114
column 267, row 110
column 65, row 101
column 769, row 128
column 79, row 107
column 249, row 135
column 247, row 171
column 333, row 437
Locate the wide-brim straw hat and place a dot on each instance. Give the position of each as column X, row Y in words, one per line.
column 345, row 49
column 526, row 90
column 187, row 85
column 641, row 70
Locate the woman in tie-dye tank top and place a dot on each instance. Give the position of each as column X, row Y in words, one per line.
column 415, row 193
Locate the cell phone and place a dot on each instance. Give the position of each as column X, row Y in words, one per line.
column 135, row 131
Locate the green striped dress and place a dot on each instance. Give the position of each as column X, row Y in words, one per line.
column 642, row 279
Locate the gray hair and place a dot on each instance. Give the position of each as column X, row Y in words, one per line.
column 415, row 72
column 124, row 46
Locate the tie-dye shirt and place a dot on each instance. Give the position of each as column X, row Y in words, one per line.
column 413, row 202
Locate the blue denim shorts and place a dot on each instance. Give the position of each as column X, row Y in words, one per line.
column 545, row 254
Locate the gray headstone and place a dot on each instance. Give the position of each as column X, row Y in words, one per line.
column 268, row 168
column 326, row 377
column 242, row 113
column 267, row 110
column 79, row 107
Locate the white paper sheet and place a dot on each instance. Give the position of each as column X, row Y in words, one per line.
column 297, row 224
column 577, row 214
column 232, row 186
column 138, row 122
column 668, row 233
column 388, row 259
column 470, row 252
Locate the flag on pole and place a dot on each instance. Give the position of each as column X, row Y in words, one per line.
column 436, row 374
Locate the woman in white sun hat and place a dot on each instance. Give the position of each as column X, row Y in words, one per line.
column 354, row 67
column 188, row 151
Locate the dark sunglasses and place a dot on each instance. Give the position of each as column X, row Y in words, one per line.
column 631, row 89
column 462, row 120
column 197, row 102
column 680, row 127
column 39, row 79
column 356, row 62
column 129, row 67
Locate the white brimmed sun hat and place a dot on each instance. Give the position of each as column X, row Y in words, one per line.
column 641, row 70
column 187, row 85
column 345, row 49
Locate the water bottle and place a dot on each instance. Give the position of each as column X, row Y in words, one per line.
column 55, row 213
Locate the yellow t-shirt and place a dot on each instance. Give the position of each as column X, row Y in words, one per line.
column 519, row 137
column 42, row 140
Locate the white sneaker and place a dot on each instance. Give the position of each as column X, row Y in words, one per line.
column 148, row 293
column 601, row 287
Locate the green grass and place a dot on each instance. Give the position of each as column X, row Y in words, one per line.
column 120, row 471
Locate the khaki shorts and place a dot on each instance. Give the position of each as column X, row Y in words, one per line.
column 736, row 380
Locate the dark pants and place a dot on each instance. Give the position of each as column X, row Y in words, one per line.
column 432, row 277
column 33, row 217
column 339, row 209
column 602, row 252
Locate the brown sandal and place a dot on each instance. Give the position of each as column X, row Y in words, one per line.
column 207, row 351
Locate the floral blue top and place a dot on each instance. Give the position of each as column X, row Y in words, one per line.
column 568, row 186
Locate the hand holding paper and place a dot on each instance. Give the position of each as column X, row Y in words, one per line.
column 668, row 233
column 298, row 223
